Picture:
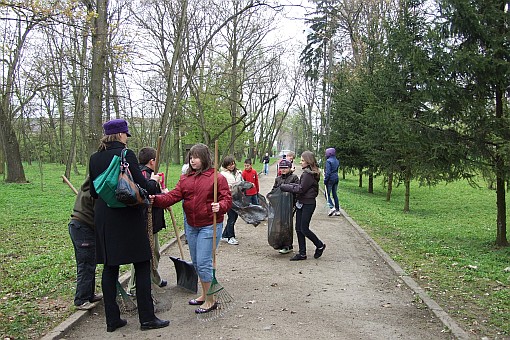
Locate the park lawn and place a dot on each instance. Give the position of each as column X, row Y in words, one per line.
column 38, row 268
column 446, row 243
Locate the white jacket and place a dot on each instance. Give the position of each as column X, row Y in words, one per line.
column 233, row 178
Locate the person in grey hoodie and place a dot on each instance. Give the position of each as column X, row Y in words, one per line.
column 306, row 191
column 331, row 181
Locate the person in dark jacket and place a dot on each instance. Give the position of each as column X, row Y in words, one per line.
column 196, row 189
column 306, row 191
column 331, row 181
column 286, row 177
column 265, row 161
column 121, row 234
column 81, row 230
column 147, row 157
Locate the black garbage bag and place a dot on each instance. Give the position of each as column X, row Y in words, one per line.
column 250, row 213
column 280, row 218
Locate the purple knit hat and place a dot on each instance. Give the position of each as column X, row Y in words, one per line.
column 330, row 152
column 114, row 126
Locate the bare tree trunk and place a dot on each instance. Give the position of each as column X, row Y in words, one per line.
column 371, row 182
column 390, row 186
column 99, row 37
column 501, row 239
column 407, row 183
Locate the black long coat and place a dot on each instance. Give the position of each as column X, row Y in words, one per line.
column 121, row 233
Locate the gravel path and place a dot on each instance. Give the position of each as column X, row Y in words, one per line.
column 354, row 291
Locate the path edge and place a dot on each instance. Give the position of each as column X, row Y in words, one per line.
column 57, row 332
column 439, row 312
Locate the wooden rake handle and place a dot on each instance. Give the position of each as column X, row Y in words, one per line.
column 70, row 185
column 215, row 200
column 177, row 236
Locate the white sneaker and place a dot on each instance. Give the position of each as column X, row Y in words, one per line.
column 331, row 212
column 232, row 241
column 224, row 239
column 285, row 250
column 337, row 213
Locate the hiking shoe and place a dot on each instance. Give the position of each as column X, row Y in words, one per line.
column 337, row 213
column 233, row 241
column 86, row 306
column 285, row 250
column 331, row 212
column 298, row 257
column 319, row 251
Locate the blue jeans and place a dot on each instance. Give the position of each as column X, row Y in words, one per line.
column 200, row 248
column 253, row 199
column 266, row 168
column 229, row 228
column 84, row 242
column 332, row 188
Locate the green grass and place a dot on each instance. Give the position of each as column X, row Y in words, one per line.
column 37, row 265
column 446, row 243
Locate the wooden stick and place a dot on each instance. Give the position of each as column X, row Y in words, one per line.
column 215, row 199
column 158, row 154
column 177, row 234
column 70, row 185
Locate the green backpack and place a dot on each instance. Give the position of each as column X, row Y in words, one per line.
column 106, row 183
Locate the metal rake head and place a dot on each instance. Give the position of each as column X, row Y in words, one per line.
column 225, row 302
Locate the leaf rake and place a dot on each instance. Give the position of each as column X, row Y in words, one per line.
column 224, row 300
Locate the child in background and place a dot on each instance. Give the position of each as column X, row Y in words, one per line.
column 286, row 177
column 290, row 157
column 250, row 175
column 233, row 176
column 147, row 159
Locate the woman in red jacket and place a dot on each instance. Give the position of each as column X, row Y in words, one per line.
column 196, row 188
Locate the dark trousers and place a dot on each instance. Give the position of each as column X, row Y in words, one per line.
column 332, row 188
column 84, row 243
column 231, row 221
column 143, row 293
column 253, row 199
column 303, row 218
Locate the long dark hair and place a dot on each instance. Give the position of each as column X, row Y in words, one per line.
column 309, row 158
column 227, row 161
column 200, row 151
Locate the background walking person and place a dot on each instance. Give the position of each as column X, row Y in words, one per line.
column 265, row 160
column 331, row 181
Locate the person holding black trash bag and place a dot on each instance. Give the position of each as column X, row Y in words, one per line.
column 121, row 233
column 286, row 177
column 307, row 190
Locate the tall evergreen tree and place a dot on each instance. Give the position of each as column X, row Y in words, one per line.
column 476, row 98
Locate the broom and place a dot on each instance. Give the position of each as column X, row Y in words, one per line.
column 222, row 297
column 125, row 302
